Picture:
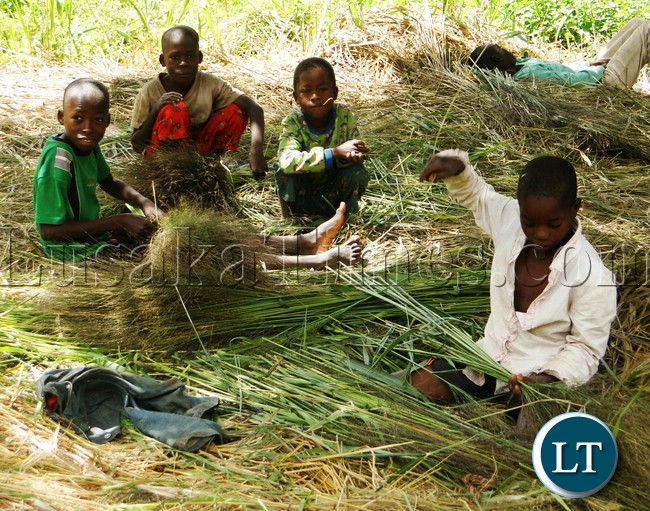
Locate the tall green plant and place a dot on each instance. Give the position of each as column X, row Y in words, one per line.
column 569, row 22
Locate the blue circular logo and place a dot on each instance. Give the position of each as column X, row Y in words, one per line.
column 575, row 454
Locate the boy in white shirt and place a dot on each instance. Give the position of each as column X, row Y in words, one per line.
column 552, row 300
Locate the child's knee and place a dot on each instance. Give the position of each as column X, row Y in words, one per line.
column 231, row 114
column 431, row 385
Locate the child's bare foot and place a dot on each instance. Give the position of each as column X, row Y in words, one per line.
column 326, row 232
column 320, row 239
column 347, row 254
column 342, row 255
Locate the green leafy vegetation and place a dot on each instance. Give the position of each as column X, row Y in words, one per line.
column 119, row 29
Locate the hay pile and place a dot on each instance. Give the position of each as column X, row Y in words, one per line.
column 322, row 433
column 166, row 294
column 172, row 178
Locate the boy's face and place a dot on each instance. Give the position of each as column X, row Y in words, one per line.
column 84, row 117
column 545, row 223
column 181, row 57
column 315, row 93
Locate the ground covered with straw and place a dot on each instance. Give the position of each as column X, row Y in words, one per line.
column 302, row 360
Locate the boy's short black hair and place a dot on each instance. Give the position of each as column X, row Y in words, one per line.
column 85, row 84
column 184, row 29
column 483, row 57
column 311, row 63
column 549, row 176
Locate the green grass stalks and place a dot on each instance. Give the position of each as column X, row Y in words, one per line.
column 121, row 29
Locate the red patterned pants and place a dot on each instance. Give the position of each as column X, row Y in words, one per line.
column 222, row 130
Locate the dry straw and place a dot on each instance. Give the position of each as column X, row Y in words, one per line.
column 184, row 175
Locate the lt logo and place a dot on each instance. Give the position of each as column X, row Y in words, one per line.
column 588, row 457
column 575, row 454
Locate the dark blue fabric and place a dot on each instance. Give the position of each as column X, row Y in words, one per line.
column 93, row 400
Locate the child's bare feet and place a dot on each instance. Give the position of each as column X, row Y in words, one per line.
column 326, row 232
column 347, row 254
column 320, row 239
column 342, row 255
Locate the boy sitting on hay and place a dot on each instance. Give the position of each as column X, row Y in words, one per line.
column 552, row 300
column 320, row 157
column 71, row 165
column 194, row 108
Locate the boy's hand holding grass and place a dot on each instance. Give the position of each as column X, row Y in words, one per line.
column 258, row 163
column 531, row 379
column 146, row 220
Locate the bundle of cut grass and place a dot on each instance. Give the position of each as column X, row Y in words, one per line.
column 608, row 121
column 193, row 264
column 217, row 249
column 172, row 176
column 169, row 310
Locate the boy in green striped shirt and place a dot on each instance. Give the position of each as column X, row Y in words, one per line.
column 66, row 208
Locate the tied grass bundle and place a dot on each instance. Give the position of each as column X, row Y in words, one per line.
column 616, row 126
column 207, row 248
column 184, row 174
column 169, row 294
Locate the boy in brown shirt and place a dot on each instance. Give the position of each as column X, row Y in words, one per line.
column 194, row 108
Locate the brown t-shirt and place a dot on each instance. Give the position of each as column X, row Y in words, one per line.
column 208, row 93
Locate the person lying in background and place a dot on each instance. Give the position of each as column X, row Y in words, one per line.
column 618, row 64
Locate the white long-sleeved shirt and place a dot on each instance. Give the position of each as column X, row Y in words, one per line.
column 565, row 330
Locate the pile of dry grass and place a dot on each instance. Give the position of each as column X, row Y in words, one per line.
column 173, row 177
column 165, row 294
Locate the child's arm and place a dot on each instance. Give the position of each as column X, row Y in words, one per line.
column 123, row 192
column 255, row 113
column 493, row 212
column 353, row 149
column 591, row 307
column 592, row 311
column 135, row 225
column 295, row 158
column 533, row 378
column 441, row 167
